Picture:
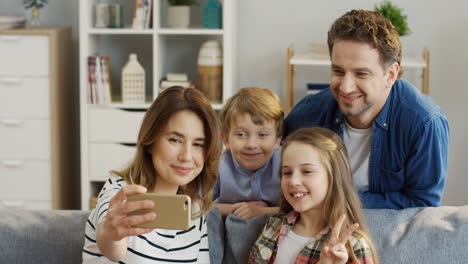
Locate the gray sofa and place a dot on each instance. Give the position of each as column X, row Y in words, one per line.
column 417, row 235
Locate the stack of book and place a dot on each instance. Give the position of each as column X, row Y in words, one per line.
column 142, row 17
column 176, row 79
column 99, row 82
column 8, row 21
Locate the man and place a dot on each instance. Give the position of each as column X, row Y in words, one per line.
column 396, row 137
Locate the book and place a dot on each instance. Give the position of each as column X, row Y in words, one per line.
column 105, row 67
column 149, row 15
column 178, row 77
column 142, row 15
column 91, row 79
column 166, row 84
column 99, row 81
column 139, row 15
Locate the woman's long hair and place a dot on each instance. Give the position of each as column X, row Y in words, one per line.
column 173, row 100
column 341, row 198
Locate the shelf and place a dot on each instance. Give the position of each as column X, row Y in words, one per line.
column 413, row 62
column 190, row 31
column 324, row 60
column 120, row 31
column 163, row 31
column 120, row 105
column 216, row 106
column 310, row 59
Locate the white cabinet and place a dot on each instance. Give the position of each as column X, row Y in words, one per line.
column 109, row 132
column 35, row 101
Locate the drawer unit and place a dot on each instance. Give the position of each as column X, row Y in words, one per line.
column 24, row 97
column 104, row 157
column 25, row 180
column 114, row 125
column 24, row 139
column 24, row 55
column 36, row 156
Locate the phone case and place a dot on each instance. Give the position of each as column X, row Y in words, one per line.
column 172, row 211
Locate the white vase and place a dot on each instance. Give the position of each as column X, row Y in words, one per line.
column 178, row 16
column 133, row 81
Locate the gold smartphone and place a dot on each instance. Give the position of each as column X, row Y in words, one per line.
column 172, row 211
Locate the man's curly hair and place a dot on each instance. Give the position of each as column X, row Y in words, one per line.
column 369, row 27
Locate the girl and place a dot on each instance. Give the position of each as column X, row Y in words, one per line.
column 177, row 138
column 318, row 191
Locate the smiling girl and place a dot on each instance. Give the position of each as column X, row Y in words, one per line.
column 177, row 152
column 318, row 200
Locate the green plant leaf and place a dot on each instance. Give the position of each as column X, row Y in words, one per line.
column 34, row 3
column 395, row 15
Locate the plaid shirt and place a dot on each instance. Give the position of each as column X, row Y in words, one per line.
column 265, row 249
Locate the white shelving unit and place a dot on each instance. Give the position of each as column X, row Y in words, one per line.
column 313, row 59
column 108, row 133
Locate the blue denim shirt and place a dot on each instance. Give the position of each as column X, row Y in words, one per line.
column 410, row 138
column 237, row 184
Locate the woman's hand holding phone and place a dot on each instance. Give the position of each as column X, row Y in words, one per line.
column 119, row 223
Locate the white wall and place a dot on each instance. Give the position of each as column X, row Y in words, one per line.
column 267, row 27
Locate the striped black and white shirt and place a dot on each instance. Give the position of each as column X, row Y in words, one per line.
column 159, row 246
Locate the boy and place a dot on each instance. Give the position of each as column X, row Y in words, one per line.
column 251, row 128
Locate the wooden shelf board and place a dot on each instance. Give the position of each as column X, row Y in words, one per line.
column 120, row 105
column 190, row 31
column 136, row 106
column 324, row 60
column 120, row 31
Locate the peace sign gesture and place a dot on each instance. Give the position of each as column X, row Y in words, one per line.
column 334, row 251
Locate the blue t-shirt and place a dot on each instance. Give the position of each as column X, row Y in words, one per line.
column 237, row 184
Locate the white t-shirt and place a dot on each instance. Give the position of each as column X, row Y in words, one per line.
column 159, row 246
column 358, row 143
column 290, row 247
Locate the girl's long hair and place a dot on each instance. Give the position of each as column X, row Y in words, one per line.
column 341, row 198
column 173, row 100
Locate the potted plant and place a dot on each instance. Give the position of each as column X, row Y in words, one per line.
column 395, row 16
column 179, row 13
column 35, row 5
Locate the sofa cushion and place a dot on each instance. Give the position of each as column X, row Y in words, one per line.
column 420, row 235
column 216, row 236
column 241, row 234
column 29, row 236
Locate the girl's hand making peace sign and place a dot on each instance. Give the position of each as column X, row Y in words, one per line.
column 334, row 251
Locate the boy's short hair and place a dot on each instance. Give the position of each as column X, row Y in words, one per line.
column 260, row 103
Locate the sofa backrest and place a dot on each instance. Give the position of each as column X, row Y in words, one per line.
column 57, row 236
column 416, row 235
column 420, row 235
column 34, row 236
